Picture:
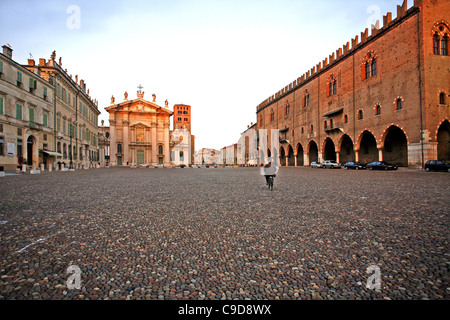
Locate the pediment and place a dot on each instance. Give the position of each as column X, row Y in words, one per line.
column 139, row 125
column 138, row 106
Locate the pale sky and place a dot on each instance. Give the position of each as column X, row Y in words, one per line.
column 221, row 57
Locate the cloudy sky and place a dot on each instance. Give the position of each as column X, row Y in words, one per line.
column 221, row 57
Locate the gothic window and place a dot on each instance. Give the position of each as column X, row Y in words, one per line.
column 332, row 85
column 272, row 115
column 311, row 128
column 287, row 109
column 345, row 118
column 440, row 34
column 306, row 100
column 369, row 66
column 367, row 70
column 374, row 67
column 325, row 124
column 436, row 43
column 444, row 45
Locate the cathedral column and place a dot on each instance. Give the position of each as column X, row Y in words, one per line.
column 166, row 144
column 154, row 145
column 126, row 142
column 112, row 143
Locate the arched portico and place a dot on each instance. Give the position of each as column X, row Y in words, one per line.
column 395, row 146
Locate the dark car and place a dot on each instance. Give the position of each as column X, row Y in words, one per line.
column 354, row 165
column 182, row 166
column 437, row 165
column 381, row 165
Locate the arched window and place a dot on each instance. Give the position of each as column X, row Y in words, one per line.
column 311, row 128
column 440, row 32
column 444, row 45
column 119, row 148
column 377, row 110
column 306, row 101
column 367, row 70
column 436, row 44
column 345, row 118
column 325, row 124
column 160, row 150
column 58, row 148
column 331, row 123
column 334, row 86
column 64, row 151
column 374, row 67
column 399, row 104
column 442, row 98
column 330, row 90
column 272, row 115
column 360, row 115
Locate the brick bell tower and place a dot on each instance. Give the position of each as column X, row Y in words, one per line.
column 182, row 117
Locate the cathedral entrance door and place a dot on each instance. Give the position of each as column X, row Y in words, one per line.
column 140, row 157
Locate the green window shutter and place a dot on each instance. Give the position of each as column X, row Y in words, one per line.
column 31, row 83
column 45, row 92
column 19, row 77
column 58, row 124
column 44, row 120
column 18, row 111
column 1, row 105
column 31, row 117
column 64, row 126
column 1, row 66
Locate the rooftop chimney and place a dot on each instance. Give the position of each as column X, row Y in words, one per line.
column 7, row 51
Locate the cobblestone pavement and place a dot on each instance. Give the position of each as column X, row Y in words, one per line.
column 220, row 234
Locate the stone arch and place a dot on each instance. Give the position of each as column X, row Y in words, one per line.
column 395, row 146
column 367, row 147
column 443, row 141
column 313, row 151
column 300, row 155
column 329, row 149
column 346, row 149
column 282, row 157
column 32, row 150
column 291, row 157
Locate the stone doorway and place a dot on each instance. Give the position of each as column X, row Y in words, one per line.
column 443, row 140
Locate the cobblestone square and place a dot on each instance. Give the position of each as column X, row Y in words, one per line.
column 220, row 234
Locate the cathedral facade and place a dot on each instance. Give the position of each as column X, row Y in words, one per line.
column 139, row 134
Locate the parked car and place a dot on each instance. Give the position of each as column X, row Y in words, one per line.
column 331, row 164
column 355, row 165
column 381, row 165
column 437, row 165
column 315, row 164
column 182, row 166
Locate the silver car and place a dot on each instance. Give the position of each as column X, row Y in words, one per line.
column 331, row 164
column 315, row 164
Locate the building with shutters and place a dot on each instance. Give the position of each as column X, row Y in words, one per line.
column 75, row 115
column 26, row 116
